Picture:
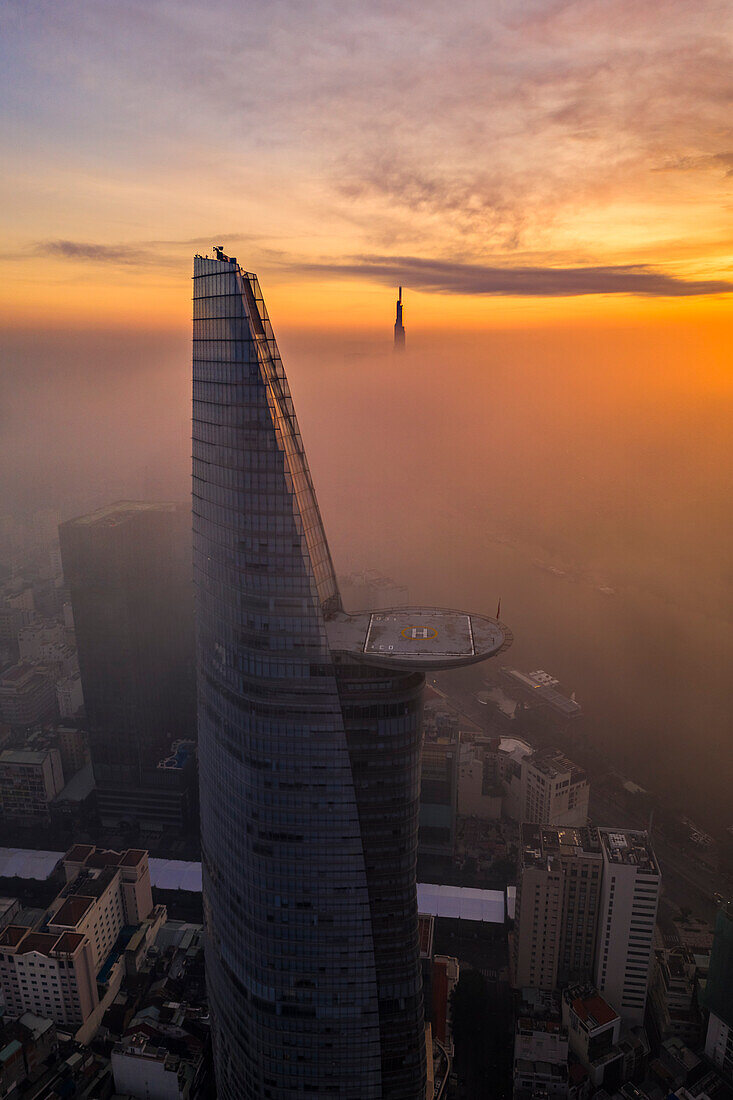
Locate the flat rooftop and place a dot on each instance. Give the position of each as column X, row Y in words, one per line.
column 113, row 514
column 629, row 847
column 540, row 842
column 427, row 638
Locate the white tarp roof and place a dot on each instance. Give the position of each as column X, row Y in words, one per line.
column 175, row 874
column 27, row 863
column 460, row 902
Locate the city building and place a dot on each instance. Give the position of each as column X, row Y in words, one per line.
column 547, row 788
column 540, row 1048
column 594, row 1031
column 445, row 975
column 719, row 995
column 487, row 767
column 69, row 696
column 29, row 782
column 309, row 746
column 627, row 916
column 141, row 1068
column 27, row 697
column 556, row 917
column 17, row 610
column 439, row 796
column 673, row 1010
column 128, row 571
column 73, row 744
column 70, row 971
column 40, row 639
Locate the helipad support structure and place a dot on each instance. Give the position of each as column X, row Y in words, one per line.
column 310, row 731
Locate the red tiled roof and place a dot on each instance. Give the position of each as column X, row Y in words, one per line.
column 72, row 911
column 594, row 1009
column 102, row 858
column 132, row 857
column 12, row 935
column 79, row 852
column 42, row 942
column 69, row 941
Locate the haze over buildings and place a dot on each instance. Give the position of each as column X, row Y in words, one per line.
column 127, row 566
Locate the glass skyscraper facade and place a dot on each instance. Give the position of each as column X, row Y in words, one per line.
column 309, row 748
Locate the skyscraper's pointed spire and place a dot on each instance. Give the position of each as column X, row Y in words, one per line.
column 399, row 328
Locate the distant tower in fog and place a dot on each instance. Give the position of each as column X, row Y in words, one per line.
column 399, row 328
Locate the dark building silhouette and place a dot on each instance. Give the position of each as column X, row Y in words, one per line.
column 128, row 570
column 310, row 730
column 399, row 328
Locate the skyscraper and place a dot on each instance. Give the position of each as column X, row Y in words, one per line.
column 399, row 328
column 309, row 740
column 557, row 906
column 128, row 570
column 626, row 919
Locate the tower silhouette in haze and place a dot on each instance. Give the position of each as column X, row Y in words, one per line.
column 399, row 328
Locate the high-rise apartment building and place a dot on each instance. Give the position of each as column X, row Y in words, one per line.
column 558, row 895
column 627, row 915
column 128, row 570
column 309, row 743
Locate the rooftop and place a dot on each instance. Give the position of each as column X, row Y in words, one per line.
column 22, row 756
column 124, row 510
column 591, row 1009
column 629, row 847
column 553, row 763
column 72, row 911
column 427, row 638
column 11, row 935
column 539, row 843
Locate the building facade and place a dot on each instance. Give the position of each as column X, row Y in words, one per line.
column 547, row 788
column 309, row 740
column 627, row 916
column 558, row 894
column 128, row 570
column 29, row 782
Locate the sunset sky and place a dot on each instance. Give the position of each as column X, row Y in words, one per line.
column 512, row 162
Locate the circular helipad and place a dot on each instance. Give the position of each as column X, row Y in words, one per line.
column 417, row 637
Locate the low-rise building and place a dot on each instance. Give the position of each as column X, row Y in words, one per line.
column 143, row 1069
column 674, row 1011
column 540, row 1048
column 611, row 1052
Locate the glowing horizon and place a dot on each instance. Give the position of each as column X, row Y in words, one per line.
column 347, row 150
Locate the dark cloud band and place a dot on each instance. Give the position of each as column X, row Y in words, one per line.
column 446, row 277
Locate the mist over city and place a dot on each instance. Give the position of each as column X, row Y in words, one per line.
column 389, row 757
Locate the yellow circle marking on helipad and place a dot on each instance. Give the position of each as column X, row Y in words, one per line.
column 420, row 633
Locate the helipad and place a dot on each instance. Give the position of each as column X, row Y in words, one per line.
column 417, row 637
